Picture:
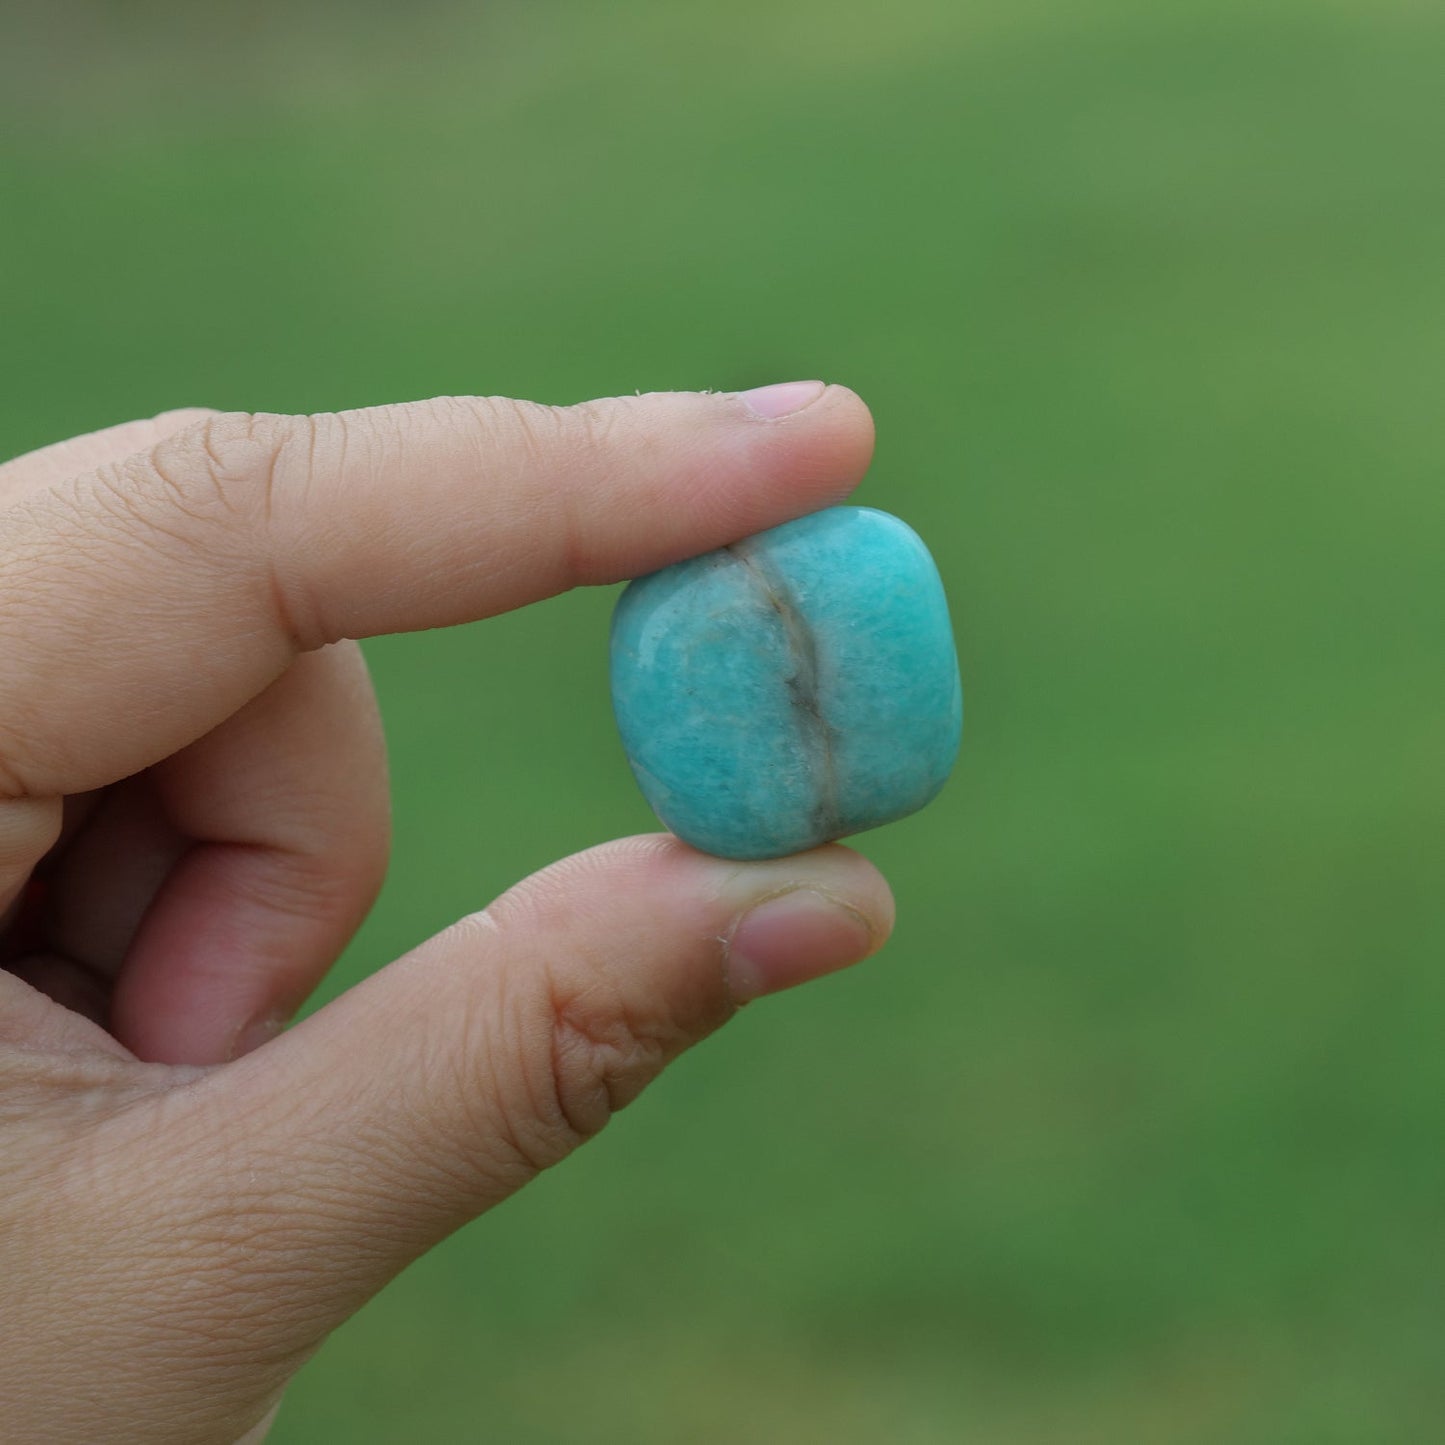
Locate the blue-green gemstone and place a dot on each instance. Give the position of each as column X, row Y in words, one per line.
column 790, row 689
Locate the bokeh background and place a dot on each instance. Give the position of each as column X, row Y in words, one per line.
column 1136, row 1133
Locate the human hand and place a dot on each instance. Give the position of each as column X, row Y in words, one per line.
column 193, row 821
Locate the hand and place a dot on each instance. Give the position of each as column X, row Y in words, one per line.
column 193, row 821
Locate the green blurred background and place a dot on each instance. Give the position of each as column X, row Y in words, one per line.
column 1136, row 1133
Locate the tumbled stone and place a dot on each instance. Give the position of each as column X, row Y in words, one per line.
column 789, row 689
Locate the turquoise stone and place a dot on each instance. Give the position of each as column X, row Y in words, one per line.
column 790, row 689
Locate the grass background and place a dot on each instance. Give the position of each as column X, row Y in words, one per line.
column 1135, row 1132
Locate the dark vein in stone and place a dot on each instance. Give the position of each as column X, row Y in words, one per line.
column 804, row 690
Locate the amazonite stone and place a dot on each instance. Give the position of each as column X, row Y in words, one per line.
column 790, row 689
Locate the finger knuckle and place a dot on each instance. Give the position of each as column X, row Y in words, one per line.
column 180, row 417
column 603, row 1053
column 581, row 1044
column 252, row 472
column 222, row 466
column 563, row 1065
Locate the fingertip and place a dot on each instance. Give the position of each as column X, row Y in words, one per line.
column 830, row 448
column 853, row 418
column 850, row 409
column 706, row 895
column 794, row 938
column 832, row 871
column 781, row 399
column 764, row 471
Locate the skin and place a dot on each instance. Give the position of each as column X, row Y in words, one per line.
column 194, row 820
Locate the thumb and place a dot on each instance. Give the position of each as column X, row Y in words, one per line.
column 448, row 1080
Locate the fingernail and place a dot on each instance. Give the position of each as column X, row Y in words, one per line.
column 783, row 399
column 259, row 1031
column 794, row 937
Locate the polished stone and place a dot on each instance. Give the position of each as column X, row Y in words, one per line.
column 790, row 689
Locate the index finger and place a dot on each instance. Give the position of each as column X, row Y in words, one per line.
column 144, row 602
